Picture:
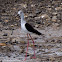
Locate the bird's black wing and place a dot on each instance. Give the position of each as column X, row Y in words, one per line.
column 31, row 29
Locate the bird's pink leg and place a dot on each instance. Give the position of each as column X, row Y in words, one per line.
column 33, row 47
column 27, row 47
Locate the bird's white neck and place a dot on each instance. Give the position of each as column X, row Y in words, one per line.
column 22, row 16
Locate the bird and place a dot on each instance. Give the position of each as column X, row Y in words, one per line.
column 28, row 29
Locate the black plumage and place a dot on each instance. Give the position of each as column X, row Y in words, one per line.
column 31, row 29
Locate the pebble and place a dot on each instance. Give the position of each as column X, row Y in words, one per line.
column 17, row 18
column 24, row 5
column 56, row 24
column 31, row 15
column 2, row 44
column 58, row 8
column 36, row 26
column 54, row 18
column 5, row 34
column 15, row 24
column 15, row 40
column 44, row 16
column 49, row 9
column 12, row 25
column 37, row 18
column 14, row 8
column 53, row 40
column 32, row 5
column 6, row 21
column 59, row 41
column 54, row 13
column 25, row 16
column 23, row 42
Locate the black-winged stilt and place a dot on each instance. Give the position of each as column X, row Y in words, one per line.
column 28, row 29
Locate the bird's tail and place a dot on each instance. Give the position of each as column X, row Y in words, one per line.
column 37, row 32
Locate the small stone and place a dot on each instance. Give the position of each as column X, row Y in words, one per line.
column 53, row 40
column 31, row 15
column 49, row 9
column 57, row 24
column 12, row 25
column 45, row 19
column 5, row 20
column 37, row 18
column 54, row 18
column 32, row 5
column 36, row 26
column 54, row 13
column 15, row 40
column 25, row 16
column 17, row 18
column 45, row 16
column 2, row 44
column 30, row 45
column 14, row 8
column 58, row 8
column 59, row 41
column 22, row 50
column 15, row 24
column 5, row 34
column 24, row 5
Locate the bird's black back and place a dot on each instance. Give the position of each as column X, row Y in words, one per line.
column 31, row 29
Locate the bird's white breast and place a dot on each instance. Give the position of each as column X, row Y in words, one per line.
column 23, row 27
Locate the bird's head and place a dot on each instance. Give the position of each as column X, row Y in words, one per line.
column 20, row 12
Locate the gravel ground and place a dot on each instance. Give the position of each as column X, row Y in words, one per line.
column 47, row 18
